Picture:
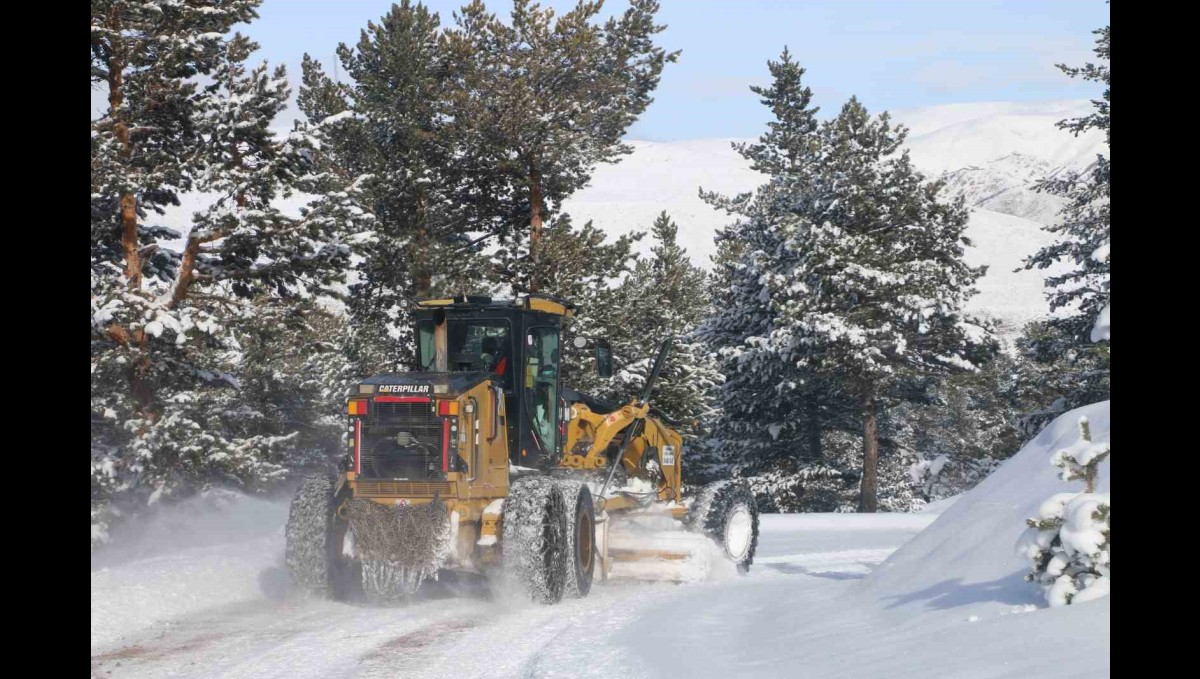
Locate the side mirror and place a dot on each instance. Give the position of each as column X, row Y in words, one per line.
column 603, row 359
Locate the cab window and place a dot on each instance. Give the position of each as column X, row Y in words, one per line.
column 474, row 345
column 541, row 385
column 425, row 354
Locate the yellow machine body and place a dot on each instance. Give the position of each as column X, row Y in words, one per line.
column 477, row 458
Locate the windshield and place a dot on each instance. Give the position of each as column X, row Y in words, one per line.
column 472, row 345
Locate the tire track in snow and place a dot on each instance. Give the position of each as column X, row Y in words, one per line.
column 300, row 638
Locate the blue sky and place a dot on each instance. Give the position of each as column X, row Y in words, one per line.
column 893, row 54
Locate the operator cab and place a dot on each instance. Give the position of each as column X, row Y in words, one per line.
column 516, row 344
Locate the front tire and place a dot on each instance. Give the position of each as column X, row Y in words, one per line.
column 726, row 512
column 581, row 538
column 534, row 538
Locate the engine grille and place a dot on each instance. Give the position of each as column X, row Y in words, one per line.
column 402, row 488
column 383, row 458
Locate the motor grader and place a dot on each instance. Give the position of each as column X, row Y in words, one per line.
column 480, row 460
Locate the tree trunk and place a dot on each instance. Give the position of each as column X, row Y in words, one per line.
column 422, row 276
column 129, row 225
column 138, row 385
column 814, row 432
column 535, row 227
column 868, row 498
column 187, row 267
column 129, row 241
column 187, row 271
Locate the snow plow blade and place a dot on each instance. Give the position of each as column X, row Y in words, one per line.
column 658, row 550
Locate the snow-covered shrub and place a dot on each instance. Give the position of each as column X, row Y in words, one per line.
column 1068, row 542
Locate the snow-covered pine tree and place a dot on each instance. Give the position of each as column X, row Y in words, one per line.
column 169, row 415
column 970, row 425
column 772, row 412
column 1068, row 542
column 1082, row 238
column 790, row 144
column 1055, row 374
column 147, row 56
column 666, row 295
column 581, row 265
column 242, row 242
column 542, row 100
column 294, row 377
column 874, row 299
column 395, row 131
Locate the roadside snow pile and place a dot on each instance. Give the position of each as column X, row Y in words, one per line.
column 970, row 546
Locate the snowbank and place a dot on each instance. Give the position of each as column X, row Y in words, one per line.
column 967, row 556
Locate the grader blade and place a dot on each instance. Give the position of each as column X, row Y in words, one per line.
column 660, row 549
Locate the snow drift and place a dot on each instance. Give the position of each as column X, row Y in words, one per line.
column 951, row 602
column 968, row 553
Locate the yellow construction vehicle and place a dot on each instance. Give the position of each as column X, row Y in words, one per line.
column 480, row 460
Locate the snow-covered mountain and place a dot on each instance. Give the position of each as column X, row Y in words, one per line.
column 992, row 153
column 1006, row 185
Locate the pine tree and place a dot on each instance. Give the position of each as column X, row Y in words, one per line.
column 882, row 283
column 666, row 296
column 845, row 299
column 582, row 266
column 1057, row 373
column 790, row 145
column 148, row 55
column 394, row 130
column 1082, row 241
column 241, row 240
column 970, row 425
column 773, row 413
column 173, row 406
column 542, row 100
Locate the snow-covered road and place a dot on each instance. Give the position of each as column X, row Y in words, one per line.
column 202, row 593
column 220, row 610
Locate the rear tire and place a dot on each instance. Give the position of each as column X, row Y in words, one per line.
column 726, row 512
column 309, row 534
column 581, row 538
column 534, row 538
column 314, row 538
